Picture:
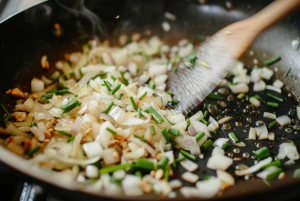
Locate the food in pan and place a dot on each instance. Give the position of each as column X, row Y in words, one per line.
column 105, row 118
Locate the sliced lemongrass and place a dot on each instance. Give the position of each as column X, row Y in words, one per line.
column 283, row 120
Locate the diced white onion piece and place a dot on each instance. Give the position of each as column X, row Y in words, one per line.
column 290, row 162
column 271, row 136
column 46, row 80
column 166, row 26
column 76, row 126
column 194, row 148
column 196, row 117
column 200, row 127
column 131, row 185
column 239, row 79
column 111, row 156
column 176, row 183
column 266, row 172
column 283, row 120
column 217, row 150
column 255, row 74
column 192, row 130
column 266, row 73
column 37, row 85
column 186, row 50
column 239, row 88
column 143, row 79
column 261, row 130
column 104, row 134
column 41, row 125
column 148, row 148
column 183, row 42
column 117, row 114
column 38, row 133
column 278, row 84
column 219, row 162
column 269, row 115
column 180, row 126
column 272, row 88
column 259, row 86
column 160, row 79
column 224, row 120
column 170, row 156
column 226, row 177
column 291, row 152
column 220, row 142
column 211, row 127
column 119, row 174
column 189, row 165
column 93, row 149
column 177, row 118
column 91, row 171
column 254, row 168
column 240, row 144
column 298, row 112
column 295, row 44
column 263, row 136
column 56, row 112
column 39, row 115
column 223, row 83
column 208, row 188
column 238, row 68
column 252, row 134
column 213, row 121
column 157, row 69
column 145, row 89
column 28, row 104
column 254, row 101
column 189, row 192
column 190, row 177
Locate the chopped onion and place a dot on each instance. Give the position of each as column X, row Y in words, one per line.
column 104, row 134
column 261, row 130
column 190, row 177
column 254, row 168
column 186, row 50
column 223, row 83
column 91, row 171
column 170, row 156
column 255, row 74
column 160, row 79
column 188, row 165
column 266, row 172
column 111, row 156
column 259, row 86
column 283, row 120
column 219, row 162
column 271, row 136
column 208, row 188
column 37, row 85
column 220, row 142
column 11, row 129
column 213, row 121
column 239, row 88
column 192, row 130
column 217, row 150
column 28, row 104
column 196, row 117
column 290, row 162
column 131, row 185
column 38, row 133
column 201, row 127
column 93, row 149
column 76, row 126
column 189, row 140
column 289, row 150
column 266, row 73
column 189, row 192
column 278, row 84
column 166, row 26
column 295, row 44
column 144, row 90
column 41, row 125
column 224, row 120
column 148, row 148
column 157, row 69
column 263, row 136
column 226, row 177
column 252, row 134
column 298, row 112
column 254, row 101
column 272, row 88
column 176, row 183
column 269, row 115
column 240, row 78
column 240, row 144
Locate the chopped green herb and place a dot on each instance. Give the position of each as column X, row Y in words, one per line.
column 206, row 177
column 144, row 164
column 170, row 93
column 205, row 114
column 174, row 101
column 174, row 131
column 213, row 96
column 188, row 155
column 52, row 91
column 272, row 124
column 64, row 91
column 113, row 168
column 240, row 96
column 141, row 138
column 204, row 64
column 170, row 122
column 165, row 133
column 272, row 104
column 188, row 121
column 142, row 96
column 45, row 99
column 267, row 183
column 287, row 73
column 133, row 103
column 200, row 37
column 225, row 145
column 167, row 171
column 152, row 84
column 206, row 106
column 174, row 70
column 177, row 160
column 120, row 96
column 275, row 97
column 70, row 105
column 204, row 121
column 115, row 89
column 152, row 130
column 275, row 173
column 107, row 84
column 71, row 139
column 33, row 124
column 233, row 137
column 3, row 108
column 163, row 163
column 7, row 118
column 33, row 151
column 206, row 145
column 156, row 117
column 271, row 61
column 111, row 131
column 274, row 163
column 124, row 79
column 213, row 133
column 199, row 136
column 63, row 86
column 113, row 78
column 83, row 37
column 64, row 133
column 109, row 107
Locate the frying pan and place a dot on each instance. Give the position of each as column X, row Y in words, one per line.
column 26, row 37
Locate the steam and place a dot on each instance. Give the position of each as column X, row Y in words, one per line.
column 97, row 25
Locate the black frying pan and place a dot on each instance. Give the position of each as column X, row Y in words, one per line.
column 29, row 35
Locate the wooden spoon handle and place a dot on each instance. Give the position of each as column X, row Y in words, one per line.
column 274, row 12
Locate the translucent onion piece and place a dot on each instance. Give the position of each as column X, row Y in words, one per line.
column 190, row 177
column 76, row 126
column 201, row 127
column 213, row 121
column 187, row 164
column 283, row 120
column 196, row 117
column 226, row 177
column 148, row 148
column 298, row 112
column 240, row 144
column 259, row 85
column 131, row 185
column 269, row 115
column 252, row 134
column 254, row 101
column 220, row 142
column 219, row 162
column 208, row 188
column 189, row 192
column 239, row 88
column 261, row 129
column 266, row 73
column 272, row 88
column 192, row 130
column 278, row 84
column 217, row 150
column 266, row 172
column 38, row 133
column 254, row 168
